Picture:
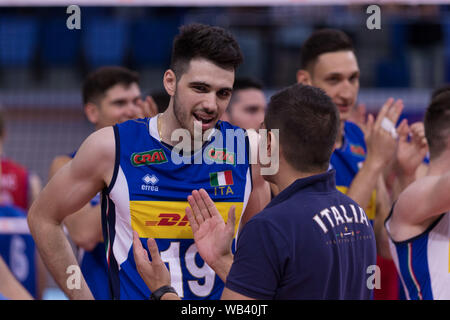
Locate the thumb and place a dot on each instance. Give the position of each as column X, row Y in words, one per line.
column 232, row 217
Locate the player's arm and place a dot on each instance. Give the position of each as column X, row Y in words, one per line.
column 84, row 226
column 383, row 206
column 260, row 195
column 381, row 147
column 67, row 192
column 424, row 199
column 9, row 286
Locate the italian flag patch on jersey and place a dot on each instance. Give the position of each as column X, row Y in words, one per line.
column 222, row 178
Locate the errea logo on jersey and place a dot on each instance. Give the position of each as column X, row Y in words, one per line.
column 150, row 181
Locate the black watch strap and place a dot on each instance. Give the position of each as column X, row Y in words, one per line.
column 158, row 293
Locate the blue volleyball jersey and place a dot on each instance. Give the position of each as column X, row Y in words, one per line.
column 148, row 194
column 93, row 264
column 17, row 247
column 348, row 159
column 423, row 262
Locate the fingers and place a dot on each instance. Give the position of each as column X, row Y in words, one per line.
column 192, row 220
column 403, row 130
column 154, row 252
column 200, row 200
column 391, row 110
column 212, row 210
column 383, row 112
column 137, row 245
column 395, row 110
column 140, row 254
column 195, row 208
column 369, row 125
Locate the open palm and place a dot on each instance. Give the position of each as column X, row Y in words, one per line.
column 213, row 237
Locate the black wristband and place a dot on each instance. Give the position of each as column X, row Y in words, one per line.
column 158, row 293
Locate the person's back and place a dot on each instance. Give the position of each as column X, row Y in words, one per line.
column 320, row 237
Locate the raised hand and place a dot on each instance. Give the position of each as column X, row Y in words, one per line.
column 381, row 143
column 213, row 237
column 154, row 273
column 410, row 154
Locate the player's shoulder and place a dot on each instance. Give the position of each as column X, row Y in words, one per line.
column 224, row 125
column 135, row 123
column 353, row 129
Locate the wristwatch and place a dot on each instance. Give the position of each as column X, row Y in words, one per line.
column 158, row 293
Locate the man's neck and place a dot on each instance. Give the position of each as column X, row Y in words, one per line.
column 288, row 176
column 441, row 165
column 340, row 135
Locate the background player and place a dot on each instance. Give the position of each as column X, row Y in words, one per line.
column 328, row 61
column 110, row 95
column 419, row 221
column 246, row 110
column 200, row 83
column 18, row 186
column 18, row 189
column 247, row 105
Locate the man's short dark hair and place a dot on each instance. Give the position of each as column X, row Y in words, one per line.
column 323, row 41
column 308, row 121
column 104, row 78
column 242, row 83
column 202, row 41
column 437, row 122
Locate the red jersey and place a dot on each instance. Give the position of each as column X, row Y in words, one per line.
column 13, row 184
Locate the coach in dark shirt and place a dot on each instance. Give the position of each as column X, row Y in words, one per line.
column 310, row 242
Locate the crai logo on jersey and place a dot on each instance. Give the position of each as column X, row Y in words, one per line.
column 357, row 149
column 156, row 156
column 221, row 156
column 168, row 220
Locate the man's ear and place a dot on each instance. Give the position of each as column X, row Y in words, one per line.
column 303, row 77
column 92, row 112
column 273, row 143
column 170, row 82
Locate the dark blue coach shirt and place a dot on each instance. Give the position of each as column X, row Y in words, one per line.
column 310, row 242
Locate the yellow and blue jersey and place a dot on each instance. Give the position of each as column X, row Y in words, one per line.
column 348, row 159
column 148, row 193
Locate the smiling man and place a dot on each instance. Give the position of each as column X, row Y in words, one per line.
column 328, row 61
column 199, row 82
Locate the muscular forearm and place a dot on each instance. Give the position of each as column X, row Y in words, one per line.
column 365, row 182
column 57, row 255
column 383, row 206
